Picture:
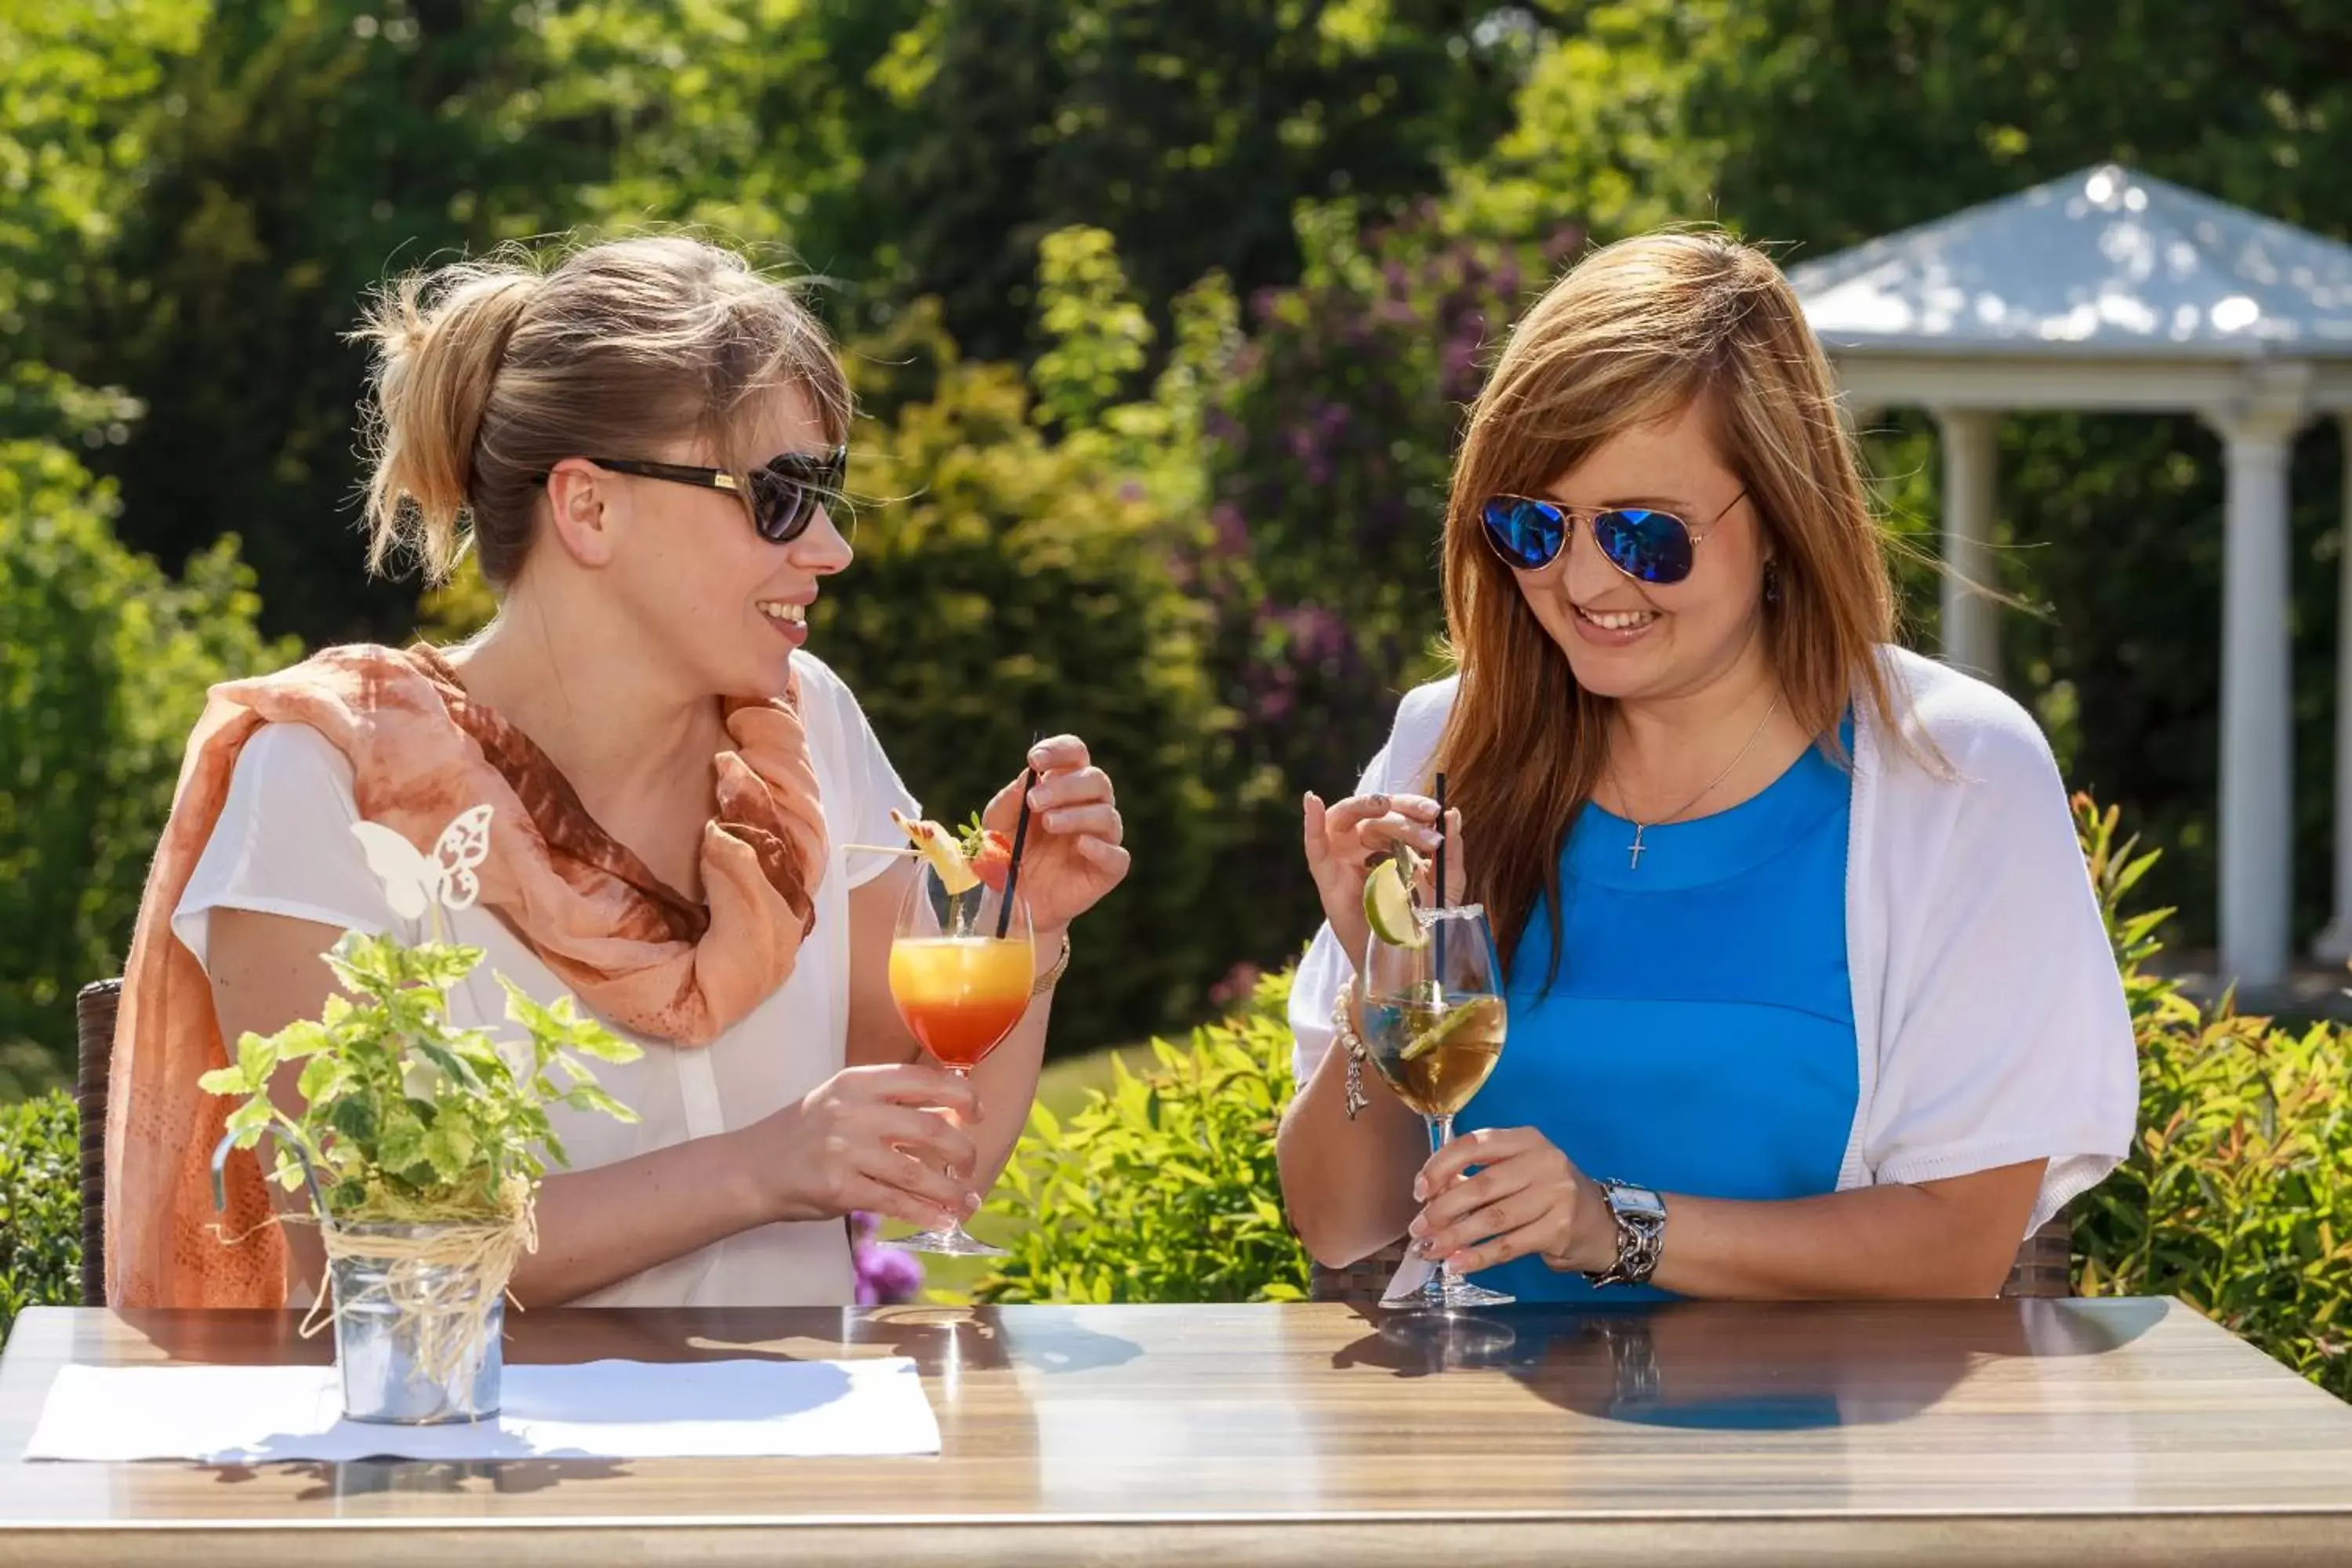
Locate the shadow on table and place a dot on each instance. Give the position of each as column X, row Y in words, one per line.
column 370, row 1477
column 1769, row 1367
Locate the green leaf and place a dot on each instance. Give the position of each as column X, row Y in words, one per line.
column 587, row 1097
column 255, row 1058
column 224, row 1081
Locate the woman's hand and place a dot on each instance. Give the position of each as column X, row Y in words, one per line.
column 1343, row 841
column 1073, row 855
column 1526, row 1199
column 873, row 1138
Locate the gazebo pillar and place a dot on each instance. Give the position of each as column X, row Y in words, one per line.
column 2334, row 943
column 1972, row 621
column 2257, row 836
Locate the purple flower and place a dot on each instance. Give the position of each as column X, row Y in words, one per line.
column 1236, row 987
column 886, row 1275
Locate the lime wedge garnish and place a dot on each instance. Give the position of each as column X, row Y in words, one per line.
column 1388, row 908
column 1477, row 1010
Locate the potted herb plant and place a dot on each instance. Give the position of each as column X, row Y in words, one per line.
column 422, row 1145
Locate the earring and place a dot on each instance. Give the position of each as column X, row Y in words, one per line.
column 1772, row 582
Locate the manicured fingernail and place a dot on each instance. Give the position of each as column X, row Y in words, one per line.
column 1420, row 1189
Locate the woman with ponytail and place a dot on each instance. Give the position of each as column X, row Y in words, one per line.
column 1808, row 992
column 642, row 443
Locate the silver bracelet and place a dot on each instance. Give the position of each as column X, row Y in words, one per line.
column 1343, row 1031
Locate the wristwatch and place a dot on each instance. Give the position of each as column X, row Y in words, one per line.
column 1640, row 1217
column 1052, row 976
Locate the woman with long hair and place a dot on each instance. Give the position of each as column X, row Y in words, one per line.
column 1807, row 990
column 643, row 443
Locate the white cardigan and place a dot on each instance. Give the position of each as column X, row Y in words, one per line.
column 1989, row 1018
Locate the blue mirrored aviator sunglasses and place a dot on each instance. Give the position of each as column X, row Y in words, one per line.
column 785, row 492
column 1647, row 546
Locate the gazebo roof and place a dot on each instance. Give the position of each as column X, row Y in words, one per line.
column 2104, row 263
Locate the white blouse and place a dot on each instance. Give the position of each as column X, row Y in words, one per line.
column 283, row 846
column 1989, row 1017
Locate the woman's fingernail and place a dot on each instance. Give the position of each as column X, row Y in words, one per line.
column 1420, row 1189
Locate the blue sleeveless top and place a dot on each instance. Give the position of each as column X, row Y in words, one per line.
column 1698, row 1037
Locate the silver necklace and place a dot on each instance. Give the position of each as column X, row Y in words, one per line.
column 1633, row 854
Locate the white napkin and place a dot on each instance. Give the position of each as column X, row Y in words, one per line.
column 600, row 1410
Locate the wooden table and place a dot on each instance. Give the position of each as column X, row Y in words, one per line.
column 2061, row 1432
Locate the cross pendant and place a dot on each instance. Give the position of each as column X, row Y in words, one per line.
column 1633, row 855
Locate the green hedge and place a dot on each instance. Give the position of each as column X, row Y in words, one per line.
column 1162, row 1188
column 40, row 1206
column 2238, row 1197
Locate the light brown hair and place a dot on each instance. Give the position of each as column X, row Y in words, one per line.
column 487, row 373
column 1634, row 334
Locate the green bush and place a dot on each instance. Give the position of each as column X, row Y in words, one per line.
column 1014, row 585
column 1164, row 1189
column 2237, row 1196
column 40, row 1206
column 102, row 674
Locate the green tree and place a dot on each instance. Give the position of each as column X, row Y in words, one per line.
column 302, row 152
column 102, row 674
column 77, row 82
column 1186, row 127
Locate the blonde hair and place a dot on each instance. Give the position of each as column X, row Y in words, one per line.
column 1635, row 333
column 487, row 373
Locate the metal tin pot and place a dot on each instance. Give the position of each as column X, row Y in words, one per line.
column 377, row 1343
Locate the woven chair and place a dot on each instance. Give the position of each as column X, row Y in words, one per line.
column 2043, row 1267
column 94, row 1015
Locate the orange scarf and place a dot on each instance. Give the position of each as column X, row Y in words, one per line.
column 638, row 953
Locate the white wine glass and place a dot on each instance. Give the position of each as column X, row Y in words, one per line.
column 1433, row 1024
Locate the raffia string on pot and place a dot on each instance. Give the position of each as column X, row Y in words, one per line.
column 439, row 1284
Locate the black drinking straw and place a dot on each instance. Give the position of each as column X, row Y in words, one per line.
column 1020, row 838
column 1441, row 878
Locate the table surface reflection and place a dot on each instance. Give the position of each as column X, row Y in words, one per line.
column 2053, row 1431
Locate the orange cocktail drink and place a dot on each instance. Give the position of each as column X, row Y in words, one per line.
column 960, row 994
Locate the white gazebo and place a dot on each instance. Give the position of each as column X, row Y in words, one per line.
column 2109, row 290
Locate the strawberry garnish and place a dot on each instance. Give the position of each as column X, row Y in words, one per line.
column 991, row 856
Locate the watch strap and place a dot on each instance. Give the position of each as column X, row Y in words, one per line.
column 1051, row 977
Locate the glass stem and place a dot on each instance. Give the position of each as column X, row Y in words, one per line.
column 1433, row 1289
column 955, row 1224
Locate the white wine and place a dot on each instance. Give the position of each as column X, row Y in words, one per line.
column 1436, row 1055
